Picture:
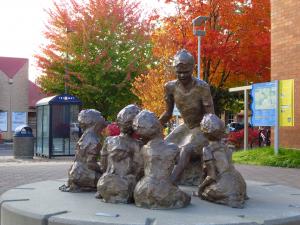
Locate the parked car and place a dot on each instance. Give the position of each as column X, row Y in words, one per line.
column 234, row 126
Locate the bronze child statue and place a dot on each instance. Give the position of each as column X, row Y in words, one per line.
column 85, row 171
column 121, row 160
column 193, row 99
column 156, row 190
column 222, row 183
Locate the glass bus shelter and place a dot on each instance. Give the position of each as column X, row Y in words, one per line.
column 57, row 125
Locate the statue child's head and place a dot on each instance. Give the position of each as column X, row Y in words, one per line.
column 212, row 127
column 91, row 117
column 147, row 126
column 125, row 118
column 184, row 66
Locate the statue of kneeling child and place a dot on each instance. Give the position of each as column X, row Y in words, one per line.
column 121, row 160
column 85, row 171
column 222, row 183
column 156, row 190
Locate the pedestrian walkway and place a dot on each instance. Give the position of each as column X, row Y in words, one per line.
column 285, row 176
column 15, row 172
column 6, row 149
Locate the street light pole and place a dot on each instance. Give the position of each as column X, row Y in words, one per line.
column 197, row 22
column 199, row 58
column 67, row 60
column 66, row 71
column 10, row 82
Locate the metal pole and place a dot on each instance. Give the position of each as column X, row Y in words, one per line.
column 245, row 119
column 276, row 128
column 10, row 114
column 10, row 82
column 66, row 71
column 67, row 60
column 199, row 53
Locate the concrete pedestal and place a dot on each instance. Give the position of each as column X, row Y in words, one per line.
column 43, row 204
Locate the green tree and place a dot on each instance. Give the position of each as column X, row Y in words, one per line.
column 96, row 48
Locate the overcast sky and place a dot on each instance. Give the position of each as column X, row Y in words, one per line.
column 22, row 23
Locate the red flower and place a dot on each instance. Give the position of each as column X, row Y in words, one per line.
column 113, row 129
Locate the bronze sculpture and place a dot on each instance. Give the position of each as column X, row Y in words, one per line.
column 85, row 171
column 148, row 175
column 156, row 190
column 193, row 99
column 121, row 160
column 223, row 184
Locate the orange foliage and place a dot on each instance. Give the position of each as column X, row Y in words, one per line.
column 150, row 90
column 234, row 51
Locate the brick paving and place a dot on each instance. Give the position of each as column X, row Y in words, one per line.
column 6, row 149
column 17, row 172
column 285, row 176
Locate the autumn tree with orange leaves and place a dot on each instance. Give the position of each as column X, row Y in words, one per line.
column 96, row 48
column 235, row 50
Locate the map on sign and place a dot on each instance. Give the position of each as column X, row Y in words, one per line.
column 265, row 98
column 263, row 104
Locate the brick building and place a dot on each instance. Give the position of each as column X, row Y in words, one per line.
column 285, row 58
column 17, row 94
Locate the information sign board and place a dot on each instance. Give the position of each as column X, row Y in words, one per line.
column 286, row 103
column 263, row 104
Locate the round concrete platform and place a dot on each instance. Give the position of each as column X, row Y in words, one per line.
column 42, row 203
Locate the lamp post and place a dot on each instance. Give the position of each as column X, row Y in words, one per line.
column 10, row 82
column 197, row 22
column 68, row 30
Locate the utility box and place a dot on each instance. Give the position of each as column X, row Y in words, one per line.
column 23, row 143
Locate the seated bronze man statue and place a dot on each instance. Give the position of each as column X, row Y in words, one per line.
column 193, row 99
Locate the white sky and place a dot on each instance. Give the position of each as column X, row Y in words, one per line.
column 22, row 23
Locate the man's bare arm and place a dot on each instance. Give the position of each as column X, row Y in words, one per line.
column 169, row 102
column 207, row 101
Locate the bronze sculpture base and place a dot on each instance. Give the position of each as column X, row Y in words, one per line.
column 268, row 204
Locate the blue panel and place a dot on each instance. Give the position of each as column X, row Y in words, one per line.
column 65, row 99
column 263, row 104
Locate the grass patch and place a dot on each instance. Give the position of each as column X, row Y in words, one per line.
column 265, row 157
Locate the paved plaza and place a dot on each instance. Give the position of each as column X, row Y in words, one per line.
column 17, row 172
column 6, row 149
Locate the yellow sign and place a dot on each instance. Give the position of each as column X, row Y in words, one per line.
column 286, row 103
